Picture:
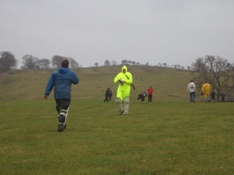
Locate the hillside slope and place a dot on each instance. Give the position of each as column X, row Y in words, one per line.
column 169, row 84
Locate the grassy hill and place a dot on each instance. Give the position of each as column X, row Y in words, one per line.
column 169, row 84
column 168, row 136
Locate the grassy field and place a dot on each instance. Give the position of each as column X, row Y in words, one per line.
column 169, row 136
column 155, row 138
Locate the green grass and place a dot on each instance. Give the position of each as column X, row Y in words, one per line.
column 158, row 138
column 169, row 84
column 169, row 136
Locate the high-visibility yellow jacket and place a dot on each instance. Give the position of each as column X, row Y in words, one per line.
column 124, row 87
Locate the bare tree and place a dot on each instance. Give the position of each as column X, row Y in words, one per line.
column 44, row 63
column 96, row 64
column 175, row 66
column 29, row 62
column 107, row 63
column 124, row 62
column 216, row 70
column 73, row 63
column 7, row 61
column 56, row 61
column 164, row 64
column 114, row 62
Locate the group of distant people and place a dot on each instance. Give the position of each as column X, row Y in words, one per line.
column 141, row 96
column 62, row 79
column 205, row 92
column 124, row 80
column 149, row 94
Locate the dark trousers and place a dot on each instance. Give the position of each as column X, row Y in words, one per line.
column 149, row 97
column 192, row 96
column 62, row 104
column 106, row 99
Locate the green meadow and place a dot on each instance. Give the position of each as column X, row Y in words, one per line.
column 169, row 136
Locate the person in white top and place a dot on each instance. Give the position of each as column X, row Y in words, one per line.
column 191, row 89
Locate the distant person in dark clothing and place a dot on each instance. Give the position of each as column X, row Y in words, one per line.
column 108, row 95
column 222, row 96
column 212, row 95
column 142, row 96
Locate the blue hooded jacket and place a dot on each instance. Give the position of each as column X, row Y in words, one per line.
column 61, row 80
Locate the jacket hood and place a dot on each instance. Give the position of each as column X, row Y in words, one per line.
column 125, row 67
column 63, row 70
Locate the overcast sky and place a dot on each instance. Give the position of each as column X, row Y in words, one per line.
column 153, row 31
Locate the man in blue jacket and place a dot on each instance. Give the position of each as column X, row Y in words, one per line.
column 61, row 80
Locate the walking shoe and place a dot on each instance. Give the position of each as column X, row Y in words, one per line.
column 60, row 127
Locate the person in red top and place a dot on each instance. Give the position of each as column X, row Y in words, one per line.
column 150, row 91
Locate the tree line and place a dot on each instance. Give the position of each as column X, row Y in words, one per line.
column 8, row 62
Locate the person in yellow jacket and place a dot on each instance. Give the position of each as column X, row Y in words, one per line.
column 206, row 90
column 125, row 80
